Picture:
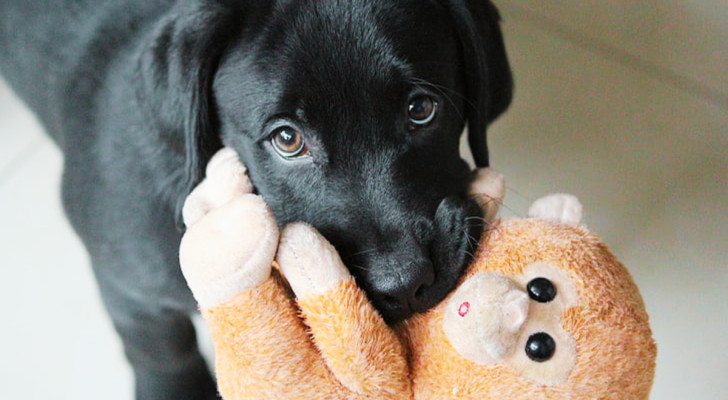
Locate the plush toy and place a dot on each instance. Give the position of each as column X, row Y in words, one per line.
column 544, row 312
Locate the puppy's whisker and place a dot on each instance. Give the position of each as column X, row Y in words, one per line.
column 442, row 89
column 484, row 200
column 480, row 196
column 363, row 252
column 519, row 194
column 359, row 267
column 511, row 209
column 445, row 95
column 423, row 82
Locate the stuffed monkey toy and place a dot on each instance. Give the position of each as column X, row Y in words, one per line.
column 545, row 311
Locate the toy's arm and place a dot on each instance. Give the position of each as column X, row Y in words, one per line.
column 263, row 350
column 358, row 347
column 261, row 346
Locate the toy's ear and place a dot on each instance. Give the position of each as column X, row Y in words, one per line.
column 487, row 71
column 560, row 208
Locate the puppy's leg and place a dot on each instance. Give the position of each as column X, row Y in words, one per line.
column 161, row 347
column 155, row 328
column 150, row 307
column 134, row 254
column 128, row 230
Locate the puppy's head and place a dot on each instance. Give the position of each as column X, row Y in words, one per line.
column 348, row 117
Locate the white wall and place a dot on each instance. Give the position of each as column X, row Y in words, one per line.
column 625, row 104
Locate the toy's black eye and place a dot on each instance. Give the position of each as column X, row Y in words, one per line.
column 541, row 290
column 540, row 347
column 421, row 111
column 288, row 142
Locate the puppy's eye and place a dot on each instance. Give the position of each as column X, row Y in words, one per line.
column 421, row 110
column 540, row 347
column 541, row 290
column 288, row 142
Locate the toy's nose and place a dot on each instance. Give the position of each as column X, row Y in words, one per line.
column 484, row 317
column 514, row 310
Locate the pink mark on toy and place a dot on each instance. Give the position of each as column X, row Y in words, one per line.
column 463, row 309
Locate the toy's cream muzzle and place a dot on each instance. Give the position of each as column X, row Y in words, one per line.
column 494, row 309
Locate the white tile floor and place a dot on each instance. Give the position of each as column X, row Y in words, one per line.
column 623, row 104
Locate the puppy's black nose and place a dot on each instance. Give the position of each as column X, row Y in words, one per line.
column 397, row 292
column 404, row 287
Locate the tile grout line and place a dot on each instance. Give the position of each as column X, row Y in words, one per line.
column 613, row 53
column 28, row 151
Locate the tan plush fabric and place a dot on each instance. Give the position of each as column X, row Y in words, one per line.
column 218, row 274
column 262, row 348
column 358, row 346
column 264, row 351
column 335, row 346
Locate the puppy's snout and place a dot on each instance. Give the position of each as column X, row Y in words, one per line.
column 421, row 269
column 458, row 227
column 401, row 284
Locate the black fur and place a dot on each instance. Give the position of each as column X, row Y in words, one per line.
column 140, row 93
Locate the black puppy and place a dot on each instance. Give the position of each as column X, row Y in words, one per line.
column 347, row 113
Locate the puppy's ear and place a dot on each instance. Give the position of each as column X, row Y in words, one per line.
column 175, row 76
column 488, row 79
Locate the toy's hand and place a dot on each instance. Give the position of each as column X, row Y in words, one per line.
column 231, row 235
column 488, row 188
column 225, row 179
column 360, row 350
column 309, row 262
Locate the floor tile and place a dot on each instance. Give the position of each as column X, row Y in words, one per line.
column 19, row 131
column 55, row 330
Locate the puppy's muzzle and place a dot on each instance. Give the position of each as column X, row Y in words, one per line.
column 419, row 272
